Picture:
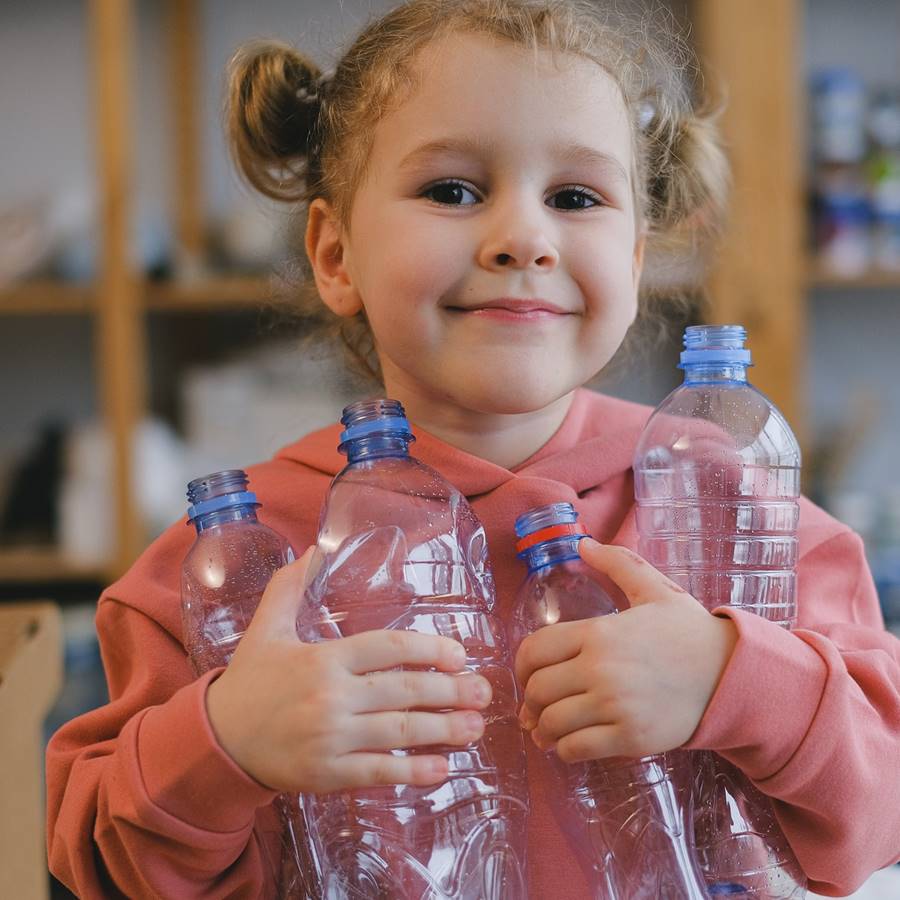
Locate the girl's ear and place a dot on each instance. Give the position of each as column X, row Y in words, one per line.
column 325, row 249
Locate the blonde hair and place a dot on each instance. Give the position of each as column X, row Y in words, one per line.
column 297, row 134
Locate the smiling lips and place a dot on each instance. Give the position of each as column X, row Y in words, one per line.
column 512, row 309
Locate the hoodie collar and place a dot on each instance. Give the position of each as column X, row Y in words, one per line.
column 595, row 442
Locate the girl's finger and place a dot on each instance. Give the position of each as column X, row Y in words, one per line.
column 374, row 650
column 595, row 742
column 361, row 770
column 414, row 690
column 276, row 616
column 569, row 715
column 399, row 730
column 552, row 644
column 547, row 686
column 640, row 581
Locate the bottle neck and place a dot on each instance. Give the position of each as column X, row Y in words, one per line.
column 238, row 513
column 375, row 446
column 701, row 374
column 551, row 553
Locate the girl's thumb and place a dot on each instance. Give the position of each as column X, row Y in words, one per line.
column 636, row 578
column 276, row 615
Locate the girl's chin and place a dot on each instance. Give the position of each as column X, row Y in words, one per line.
column 505, row 384
column 510, row 396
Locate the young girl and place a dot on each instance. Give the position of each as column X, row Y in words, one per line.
column 483, row 179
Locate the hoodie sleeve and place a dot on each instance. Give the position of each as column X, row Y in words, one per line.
column 142, row 801
column 812, row 717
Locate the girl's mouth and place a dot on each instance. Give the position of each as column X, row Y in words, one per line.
column 510, row 309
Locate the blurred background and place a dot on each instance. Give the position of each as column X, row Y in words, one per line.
column 146, row 334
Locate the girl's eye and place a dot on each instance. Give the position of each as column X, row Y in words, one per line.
column 574, row 198
column 450, row 193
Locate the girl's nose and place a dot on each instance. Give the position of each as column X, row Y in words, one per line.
column 518, row 246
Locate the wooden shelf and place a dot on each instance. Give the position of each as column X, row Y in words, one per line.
column 44, row 564
column 47, row 297
column 218, row 292
column 824, row 278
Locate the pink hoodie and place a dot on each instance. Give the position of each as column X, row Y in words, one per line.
column 142, row 802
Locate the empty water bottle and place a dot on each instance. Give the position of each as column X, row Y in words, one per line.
column 227, row 568
column 223, row 577
column 717, row 482
column 629, row 820
column 400, row 548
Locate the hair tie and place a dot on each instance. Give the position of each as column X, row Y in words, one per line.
column 646, row 113
column 313, row 93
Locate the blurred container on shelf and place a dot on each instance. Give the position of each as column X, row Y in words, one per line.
column 252, row 237
column 242, row 411
column 86, row 501
column 28, row 515
column 855, row 184
column 49, row 236
column 838, row 117
column 884, row 177
column 24, row 242
column 842, row 231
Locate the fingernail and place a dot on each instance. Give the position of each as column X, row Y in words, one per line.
column 541, row 744
column 482, row 690
column 474, row 724
column 526, row 720
column 459, row 655
column 589, row 542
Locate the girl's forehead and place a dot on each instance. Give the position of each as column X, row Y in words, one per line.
column 459, row 59
column 481, row 85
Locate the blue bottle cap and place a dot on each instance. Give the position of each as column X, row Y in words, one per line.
column 220, row 490
column 367, row 417
column 715, row 345
column 546, row 523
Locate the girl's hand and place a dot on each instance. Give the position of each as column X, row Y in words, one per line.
column 630, row 684
column 320, row 717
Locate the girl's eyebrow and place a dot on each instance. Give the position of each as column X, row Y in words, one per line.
column 571, row 153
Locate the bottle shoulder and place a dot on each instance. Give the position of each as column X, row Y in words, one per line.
column 567, row 591
column 732, row 422
column 238, row 540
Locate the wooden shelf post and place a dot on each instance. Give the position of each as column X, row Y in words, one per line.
column 751, row 49
column 119, row 330
column 185, row 43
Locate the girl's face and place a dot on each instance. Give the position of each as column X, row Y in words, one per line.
column 493, row 242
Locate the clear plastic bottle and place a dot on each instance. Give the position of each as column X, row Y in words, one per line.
column 223, row 577
column 400, row 548
column 629, row 820
column 717, row 484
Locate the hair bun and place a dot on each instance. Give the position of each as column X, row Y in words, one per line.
column 690, row 169
column 274, row 101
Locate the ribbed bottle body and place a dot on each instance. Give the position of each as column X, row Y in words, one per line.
column 717, row 487
column 718, row 511
column 399, row 548
column 628, row 820
column 223, row 577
